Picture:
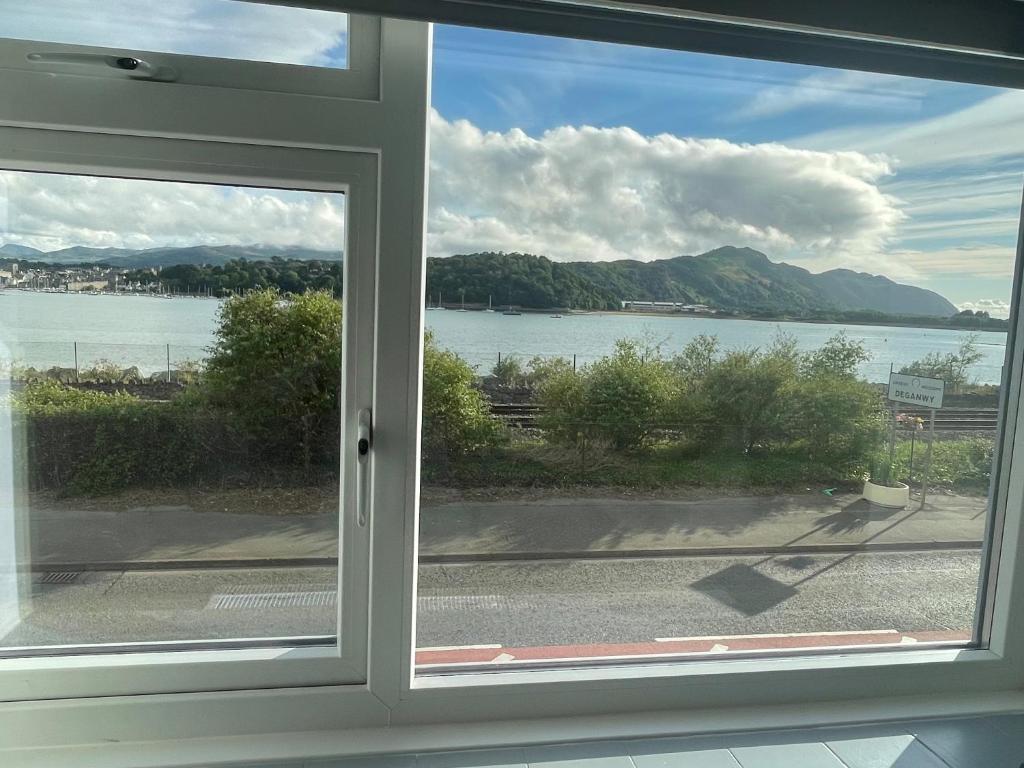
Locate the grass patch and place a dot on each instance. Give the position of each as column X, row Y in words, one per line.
column 961, row 465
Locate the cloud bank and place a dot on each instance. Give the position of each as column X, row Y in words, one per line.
column 592, row 194
column 50, row 211
column 995, row 307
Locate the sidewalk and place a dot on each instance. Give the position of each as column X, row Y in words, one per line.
column 559, row 527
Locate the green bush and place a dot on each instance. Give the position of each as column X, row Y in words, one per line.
column 275, row 372
column 560, row 393
column 745, row 399
column 620, row 400
column 953, row 367
column 456, row 417
column 509, row 372
column 86, row 442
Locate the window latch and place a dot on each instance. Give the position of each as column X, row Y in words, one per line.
column 364, row 441
column 135, row 68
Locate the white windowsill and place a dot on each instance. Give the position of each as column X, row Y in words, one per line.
column 311, row 745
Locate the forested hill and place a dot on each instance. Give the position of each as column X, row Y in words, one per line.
column 736, row 279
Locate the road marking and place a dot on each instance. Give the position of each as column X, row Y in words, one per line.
column 257, row 600
column 775, row 636
column 439, row 648
column 464, row 603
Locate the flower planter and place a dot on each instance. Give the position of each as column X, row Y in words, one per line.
column 884, row 496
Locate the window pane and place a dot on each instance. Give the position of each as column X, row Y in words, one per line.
column 665, row 295
column 225, row 29
column 170, row 361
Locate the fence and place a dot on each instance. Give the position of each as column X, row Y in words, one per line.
column 78, row 360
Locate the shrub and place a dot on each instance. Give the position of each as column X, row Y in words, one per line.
column 620, row 399
column 509, row 372
column 953, row 367
column 456, row 417
column 559, row 391
column 87, row 442
column 745, row 400
column 275, row 370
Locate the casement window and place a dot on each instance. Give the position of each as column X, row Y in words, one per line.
column 514, row 515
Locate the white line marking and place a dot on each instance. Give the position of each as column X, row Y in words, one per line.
column 790, row 634
column 719, row 648
column 460, row 648
column 503, row 658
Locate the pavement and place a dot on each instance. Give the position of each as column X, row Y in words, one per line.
column 553, row 528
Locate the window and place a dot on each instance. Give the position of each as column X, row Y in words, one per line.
column 149, row 512
column 585, row 154
column 165, row 465
column 223, row 43
column 220, row 29
column 666, row 295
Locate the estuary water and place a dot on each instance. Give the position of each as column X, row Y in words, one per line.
column 50, row 329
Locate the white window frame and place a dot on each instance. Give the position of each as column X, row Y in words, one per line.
column 359, row 79
column 393, row 129
column 71, row 671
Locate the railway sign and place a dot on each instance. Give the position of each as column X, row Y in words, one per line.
column 916, row 390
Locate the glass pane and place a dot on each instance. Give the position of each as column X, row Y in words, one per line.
column 170, row 362
column 665, row 293
column 224, row 29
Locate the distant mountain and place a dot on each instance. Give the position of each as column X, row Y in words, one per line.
column 728, row 278
column 10, row 250
column 211, row 255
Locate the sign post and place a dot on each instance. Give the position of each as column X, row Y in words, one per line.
column 922, row 391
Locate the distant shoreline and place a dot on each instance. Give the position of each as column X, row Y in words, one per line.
column 893, row 323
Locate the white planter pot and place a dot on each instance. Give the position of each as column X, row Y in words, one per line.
column 884, row 496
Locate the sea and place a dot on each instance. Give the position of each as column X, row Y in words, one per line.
column 63, row 329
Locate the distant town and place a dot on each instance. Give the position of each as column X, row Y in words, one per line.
column 73, row 279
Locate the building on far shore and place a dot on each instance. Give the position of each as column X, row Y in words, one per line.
column 635, row 305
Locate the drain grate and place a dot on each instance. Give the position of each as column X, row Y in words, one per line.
column 257, row 600
column 59, row 577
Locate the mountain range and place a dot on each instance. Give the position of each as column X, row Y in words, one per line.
column 727, row 278
column 124, row 258
column 735, row 279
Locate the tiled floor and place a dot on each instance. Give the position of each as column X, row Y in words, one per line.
column 992, row 742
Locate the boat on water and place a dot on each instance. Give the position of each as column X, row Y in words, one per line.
column 510, row 311
column 557, row 316
column 463, row 307
column 489, row 307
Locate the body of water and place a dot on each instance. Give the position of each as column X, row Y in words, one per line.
column 43, row 330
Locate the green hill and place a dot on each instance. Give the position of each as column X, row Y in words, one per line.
column 732, row 279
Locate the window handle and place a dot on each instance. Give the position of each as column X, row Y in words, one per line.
column 135, row 68
column 364, row 442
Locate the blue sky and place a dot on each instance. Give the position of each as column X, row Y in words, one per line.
column 948, row 196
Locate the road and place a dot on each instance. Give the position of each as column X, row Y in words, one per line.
column 537, row 603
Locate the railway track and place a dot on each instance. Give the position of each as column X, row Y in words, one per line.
column 525, row 415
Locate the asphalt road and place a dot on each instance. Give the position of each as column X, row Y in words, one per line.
column 536, row 603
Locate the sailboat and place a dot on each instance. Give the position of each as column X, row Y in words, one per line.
column 489, row 308
column 510, row 311
column 440, row 301
column 463, row 307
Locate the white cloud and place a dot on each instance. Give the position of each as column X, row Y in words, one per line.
column 220, row 28
column 839, row 89
column 995, row 307
column 989, row 128
column 608, row 193
column 51, row 211
column 969, row 261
